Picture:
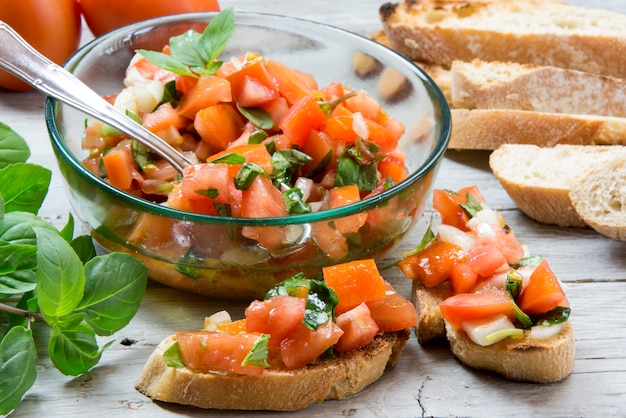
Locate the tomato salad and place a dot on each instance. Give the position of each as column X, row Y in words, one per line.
column 497, row 289
column 298, row 322
column 268, row 141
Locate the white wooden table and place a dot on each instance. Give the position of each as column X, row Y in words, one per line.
column 427, row 381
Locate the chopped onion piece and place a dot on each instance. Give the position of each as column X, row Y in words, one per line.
column 359, row 126
column 454, row 235
column 306, row 186
column 489, row 331
column 542, row 332
column 211, row 323
column 485, row 216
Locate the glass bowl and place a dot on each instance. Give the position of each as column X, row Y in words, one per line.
column 207, row 254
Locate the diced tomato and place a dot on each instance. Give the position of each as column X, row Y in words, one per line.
column 207, row 181
column 543, row 291
column 433, row 264
column 339, row 128
column 358, row 328
column 342, row 196
column 218, row 125
column 184, row 83
column 151, row 71
column 393, row 312
column 508, row 244
column 252, row 93
column 291, row 85
column 119, row 165
column 217, row 351
column 162, row 118
column 365, row 104
column 393, row 166
column 464, row 306
column 318, row 146
column 329, row 240
column 462, row 278
column 277, row 109
column 302, row 117
column 263, row 200
column 354, row 282
column 253, row 153
column 239, row 326
column 303, row 345
column 486, row 260
column 277, row 316
column 333, row 91
column 448, row 203
column 177, row 200
column 208, row 91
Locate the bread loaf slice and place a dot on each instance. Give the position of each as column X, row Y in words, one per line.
column 539, row 179
column 430, row 323
column 541, row 32
column 276, row 389
column 599, row 197
column 525, row 359
column 487, row 129
column 492, row 85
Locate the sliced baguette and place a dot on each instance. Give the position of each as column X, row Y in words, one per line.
column 487, row 129
column 599, row 197
column 276, row 390
column 541, row 32
column 492, row 85
column 539, row 179
column 430, row 323
column 524, row 359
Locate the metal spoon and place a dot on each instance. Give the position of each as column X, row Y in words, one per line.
column 22, row 60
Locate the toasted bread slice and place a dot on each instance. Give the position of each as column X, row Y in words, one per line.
column 487, row 129
column 541, row 32
column 539, row 179
column 507, row 85
column 599, row 197
column 525, row 359
column 430, row 323
column 276, row 390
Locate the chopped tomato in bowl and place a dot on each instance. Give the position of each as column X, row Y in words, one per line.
column 299, row 161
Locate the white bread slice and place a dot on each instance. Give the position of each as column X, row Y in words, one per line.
column 524, row 359
column 599, row 198
column 487, row 129
column 492, row 85
column 541, row 32
column 539, row 179
column 276, row 390
column 430, row 323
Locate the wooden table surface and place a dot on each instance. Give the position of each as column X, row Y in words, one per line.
column 428, row 381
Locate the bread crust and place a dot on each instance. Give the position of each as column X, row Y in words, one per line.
column 487, row 129
column 524, row 359
column 541, row 32
column 277, row 389
column 430, row 323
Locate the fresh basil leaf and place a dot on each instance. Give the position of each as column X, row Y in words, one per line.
column 472, row 207
column 2, row 211
column 257, row 137
column 211, row 192
column 321, row 166
column 17, row 227
column 532, row 261
column 368, row 177
column 170, row 94
column 230, row 158
column 294, row 202
column 246, row 175
column 185, row 49
column 328, row 107
column 60, row 275
column 429, row 236
column 15, row 284
column 259, row 353
column 261, row 118
column 24, row 187
column 18, row 367
column 188, row 264
column 14, row 257
column 216, row 36
column 70, row 321
column 347, row 171
column 74, row 351
column 514, row 282
column 285, row 163
column 223, row 209
column 172, row 357
column 289, row 287
column 13, row 148
column 68, row 230
column 555, row 316
column 114, row 287
column 84, row 248
column 167, row 62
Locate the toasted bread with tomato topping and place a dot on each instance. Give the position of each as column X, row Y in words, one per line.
column 474, row 283
column 276, row 389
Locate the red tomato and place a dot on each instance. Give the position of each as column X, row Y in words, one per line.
column 105, row 15
column 433, row 264
column 358, row 328
column 342, row 196
column 543, row 291
column 208, row 91
column 217, row 351
column 354, row 282
column 277, row 316
column 263, row 200
column 303, row 345
column 393, row 312
column 218, row 125
column 462, row 278
column 486, row 259
column 302, row 117
column 466, row 306
column 207, row 182
column 447, row 204
column 51, row 27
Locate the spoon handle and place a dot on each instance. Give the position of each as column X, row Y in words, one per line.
column 22, row 60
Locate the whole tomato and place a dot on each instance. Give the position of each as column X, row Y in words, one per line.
column 105, row 15
column 53, row 27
